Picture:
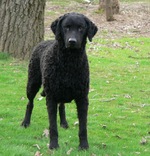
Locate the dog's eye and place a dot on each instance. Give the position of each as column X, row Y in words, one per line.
column 67, row 28
column 80, row 28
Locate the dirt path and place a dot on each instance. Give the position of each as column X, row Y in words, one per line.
column 133, row 20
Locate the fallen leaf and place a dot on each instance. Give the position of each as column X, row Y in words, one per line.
column 147, row 137
column 110, row 115
column 91, row 90
column 107, row 81
column 76, row 123
column 108, row 100
column 70, row 150
column 134, row 124
column 127, row 96
column 40, row 98
column 22, row 98
column 1, row 119
column 38, row 153
column 48, row 145
column 103, row 145
column 93, row 154
column 143, row 141
column 95, row 115
column 104, row 126
column 138, row 153
column 46, row 133
column 36, row 145
column 118, row 136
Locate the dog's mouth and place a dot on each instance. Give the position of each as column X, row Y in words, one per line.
column 72, row 46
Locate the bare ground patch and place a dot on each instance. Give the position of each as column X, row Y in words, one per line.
column 133, row 20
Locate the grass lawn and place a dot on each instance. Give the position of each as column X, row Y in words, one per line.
column 119, row 97
column 119, row 110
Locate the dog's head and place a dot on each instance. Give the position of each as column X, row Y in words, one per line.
column 73, row 29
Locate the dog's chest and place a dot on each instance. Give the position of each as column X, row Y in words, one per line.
column 68, row 80
column 68, row 74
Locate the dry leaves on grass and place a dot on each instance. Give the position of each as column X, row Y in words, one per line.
column 117, row 136
column 36, row 145
column 1, row 119
column 104, row 126
column 40, row 98
column 93, row 154
column 38, row 153
column 108, row 100
column 22, row 98
column 127, row 96
column 143, row 141
column 45, row 133
column 104, row 145
column 69, row 151
column 76, row 123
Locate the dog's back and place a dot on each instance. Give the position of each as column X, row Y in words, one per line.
column 37, row 55
column 40, row 49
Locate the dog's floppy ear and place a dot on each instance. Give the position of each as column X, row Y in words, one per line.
column 92, row 29
column 56, row 27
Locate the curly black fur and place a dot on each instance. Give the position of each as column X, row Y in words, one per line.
column 61, row 66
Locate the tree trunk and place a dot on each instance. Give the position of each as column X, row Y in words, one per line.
column 109, row 11
column 114, row 3
column 21, row 26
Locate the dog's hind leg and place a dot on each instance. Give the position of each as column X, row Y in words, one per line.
column 62, row 114
column 33, row 86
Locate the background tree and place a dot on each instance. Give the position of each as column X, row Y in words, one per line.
column 109, row 10
column 21, row 26
column 111, row 7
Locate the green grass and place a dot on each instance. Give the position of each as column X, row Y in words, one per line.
column 118, row 112
column 4, row 56
column 119, row 102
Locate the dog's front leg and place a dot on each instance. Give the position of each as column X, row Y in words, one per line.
column 52, row 113
column 82, row 108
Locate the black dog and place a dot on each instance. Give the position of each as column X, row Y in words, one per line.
column 62, row 67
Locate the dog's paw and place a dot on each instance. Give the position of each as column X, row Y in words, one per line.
column 53, row 145
column 83, row 145
column 64, row 125
column 25, row 124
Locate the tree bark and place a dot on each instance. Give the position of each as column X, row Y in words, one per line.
column 109, row 11
column 115, row 6
column 21, row 26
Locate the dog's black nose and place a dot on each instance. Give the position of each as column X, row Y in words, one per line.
column 72, row 41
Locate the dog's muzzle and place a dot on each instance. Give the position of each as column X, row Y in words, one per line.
column 72, row 43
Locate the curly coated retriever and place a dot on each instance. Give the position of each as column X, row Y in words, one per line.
column 61, row 66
